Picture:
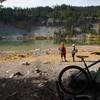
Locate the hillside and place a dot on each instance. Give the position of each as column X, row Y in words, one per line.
column 10, row 31
column 65, row 16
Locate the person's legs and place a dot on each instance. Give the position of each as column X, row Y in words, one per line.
column 73, row 56
column 73, row 59
column 65, row 57
column 61, row 57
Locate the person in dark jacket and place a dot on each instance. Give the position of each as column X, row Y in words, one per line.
column 62, row 50
column 73, row 52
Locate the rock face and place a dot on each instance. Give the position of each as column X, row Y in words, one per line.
column 6, row 30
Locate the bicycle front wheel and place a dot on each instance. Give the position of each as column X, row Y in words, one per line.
column 73, row 79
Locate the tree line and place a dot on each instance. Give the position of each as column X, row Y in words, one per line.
column 72, row 16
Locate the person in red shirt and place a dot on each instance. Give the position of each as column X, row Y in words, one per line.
column 62, row 50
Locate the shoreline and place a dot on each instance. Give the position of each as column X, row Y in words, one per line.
column 38, row 72
column 39, row 53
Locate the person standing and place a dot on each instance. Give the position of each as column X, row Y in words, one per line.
column 62, row 50
column 73, row 52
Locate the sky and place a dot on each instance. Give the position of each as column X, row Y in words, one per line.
column 51, row 3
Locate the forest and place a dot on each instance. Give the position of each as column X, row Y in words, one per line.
column 64, row 16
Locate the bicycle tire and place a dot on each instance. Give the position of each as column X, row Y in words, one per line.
column 81, row 88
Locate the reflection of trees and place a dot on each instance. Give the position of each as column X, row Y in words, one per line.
column 81, row 41
column 58, row 41
column 70, row 41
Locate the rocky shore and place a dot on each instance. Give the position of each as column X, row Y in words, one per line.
column 31, row 75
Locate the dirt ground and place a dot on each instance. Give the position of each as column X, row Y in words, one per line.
column 32, row 77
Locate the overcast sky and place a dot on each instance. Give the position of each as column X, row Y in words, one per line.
column 51, row 3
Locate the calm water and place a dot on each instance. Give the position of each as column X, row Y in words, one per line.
column 21, row 44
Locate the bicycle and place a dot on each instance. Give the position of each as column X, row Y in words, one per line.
column 74, row 79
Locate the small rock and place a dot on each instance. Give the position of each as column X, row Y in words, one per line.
column 4, row 85
column 37, row 49
column 46, row 62
column 28, row 72
column 25, row 63
column 41, row 85
column 37, row 71
column 16, row 74
column 11, row 76
column 7, row 71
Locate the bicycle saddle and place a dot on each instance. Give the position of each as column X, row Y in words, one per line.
column 82, row 56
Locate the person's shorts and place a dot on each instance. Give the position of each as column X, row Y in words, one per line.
column 63, row 55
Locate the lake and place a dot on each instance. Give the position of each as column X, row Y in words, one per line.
column 32, row 44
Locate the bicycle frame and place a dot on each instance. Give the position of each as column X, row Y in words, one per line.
column 87, row 68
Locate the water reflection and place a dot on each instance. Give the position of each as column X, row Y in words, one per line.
column 82, row 41
column 70, row 41
column 29, row 44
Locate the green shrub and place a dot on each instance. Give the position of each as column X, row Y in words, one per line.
column 47, row 52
